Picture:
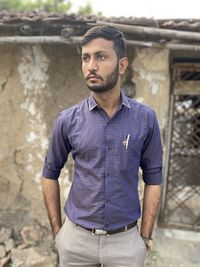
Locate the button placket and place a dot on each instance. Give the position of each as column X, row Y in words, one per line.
column 108, row 171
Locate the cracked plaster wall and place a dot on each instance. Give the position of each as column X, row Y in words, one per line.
column 36, row 83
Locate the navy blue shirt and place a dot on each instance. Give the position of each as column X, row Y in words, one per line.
column 107, row 154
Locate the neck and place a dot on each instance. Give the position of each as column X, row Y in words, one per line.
column 108, row 101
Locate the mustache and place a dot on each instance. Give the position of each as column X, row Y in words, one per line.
column 93, row 75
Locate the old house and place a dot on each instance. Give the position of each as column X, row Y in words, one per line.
column 40, row 75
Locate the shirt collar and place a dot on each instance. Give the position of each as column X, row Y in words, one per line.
column 92, row 103
column 125, row 101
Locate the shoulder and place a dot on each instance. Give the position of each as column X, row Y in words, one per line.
column 140, row 108
column 72, row 112
column 143, row 113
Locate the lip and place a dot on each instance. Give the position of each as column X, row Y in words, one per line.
column 93, row 78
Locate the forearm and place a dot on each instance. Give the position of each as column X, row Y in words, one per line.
column 51, row 192
column 150, row 208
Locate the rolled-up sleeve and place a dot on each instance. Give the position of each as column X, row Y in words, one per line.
column 151, row 157
column 59, row 148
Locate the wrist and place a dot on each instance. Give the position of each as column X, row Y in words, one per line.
column 55, row 231
column 148, row 242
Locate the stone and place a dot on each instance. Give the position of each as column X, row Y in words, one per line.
column 5, row 260
column 2, row 251
column 31, row 234
column 5, row 234
column 9, row 244
column 23, row 246
column 33, row 257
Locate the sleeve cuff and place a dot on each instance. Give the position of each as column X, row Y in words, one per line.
column 51, row 174
column 153, row 177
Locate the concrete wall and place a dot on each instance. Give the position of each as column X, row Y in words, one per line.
column 36, row 83
column 152, row 79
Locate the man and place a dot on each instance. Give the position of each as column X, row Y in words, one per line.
column 109, row 137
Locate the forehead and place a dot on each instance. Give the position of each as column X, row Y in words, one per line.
column 98, row 45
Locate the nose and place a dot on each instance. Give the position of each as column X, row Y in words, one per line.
column 92, row 65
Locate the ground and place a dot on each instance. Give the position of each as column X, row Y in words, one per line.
column 174, row 248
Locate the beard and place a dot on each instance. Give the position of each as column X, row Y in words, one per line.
column 110, row 81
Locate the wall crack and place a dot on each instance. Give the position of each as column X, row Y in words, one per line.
column 3, row 86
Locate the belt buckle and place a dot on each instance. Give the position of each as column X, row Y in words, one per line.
column 99, row 232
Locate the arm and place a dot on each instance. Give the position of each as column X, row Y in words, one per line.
column 150, row 208
column 151, row 164
column 51, row 192
column 57, row 154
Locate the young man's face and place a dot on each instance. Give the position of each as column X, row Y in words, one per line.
column 100, row 65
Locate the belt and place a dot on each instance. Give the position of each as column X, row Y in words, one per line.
column 111, row 232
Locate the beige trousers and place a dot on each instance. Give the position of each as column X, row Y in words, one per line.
column 78, row 247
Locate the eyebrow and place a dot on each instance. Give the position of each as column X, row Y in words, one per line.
column 96, row 53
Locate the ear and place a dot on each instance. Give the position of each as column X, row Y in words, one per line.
column 123, row 63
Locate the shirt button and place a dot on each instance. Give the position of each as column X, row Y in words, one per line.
column 109, row 148
column 108, row 200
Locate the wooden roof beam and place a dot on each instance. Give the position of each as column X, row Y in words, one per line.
column 74, row 40
column 149, row 31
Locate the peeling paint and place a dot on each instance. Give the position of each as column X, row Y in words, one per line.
column 154, row 88
column 31, row 137
column 37, row 179
column 33, row 69
column 32, row 109
column 150, row 75
column 40, row 156
column 140, row 99
column 29, row 168
column 64, row 183
column 30, row 157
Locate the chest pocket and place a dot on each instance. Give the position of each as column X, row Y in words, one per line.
column 130, row 149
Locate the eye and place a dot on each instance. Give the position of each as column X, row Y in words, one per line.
column 85, row 59
column 101, row 57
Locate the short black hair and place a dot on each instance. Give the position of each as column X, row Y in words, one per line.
column 109, row 33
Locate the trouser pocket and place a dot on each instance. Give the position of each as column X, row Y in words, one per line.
column 60, row 234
